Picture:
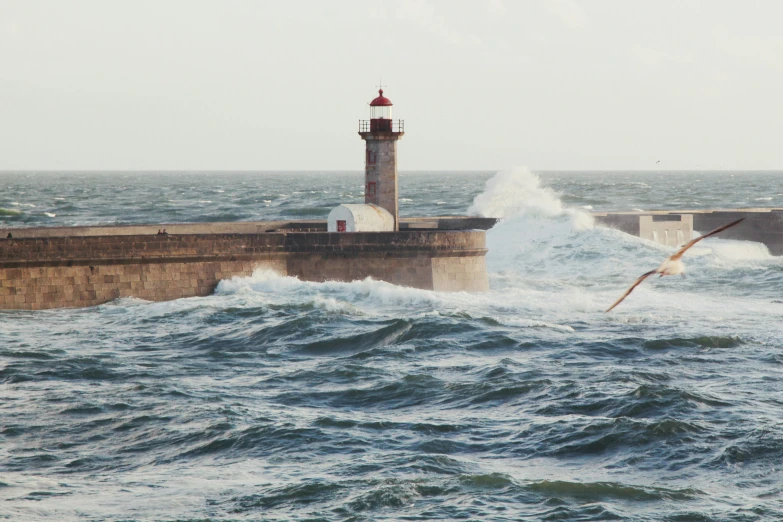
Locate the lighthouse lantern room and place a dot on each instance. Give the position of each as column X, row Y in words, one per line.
column 381, row 113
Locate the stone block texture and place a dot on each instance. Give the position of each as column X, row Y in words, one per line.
column 414, row 270
column 77, row 286
column 380, row 171
column 468, row 273
column 42, row 272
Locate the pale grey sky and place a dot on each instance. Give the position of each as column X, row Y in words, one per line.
column 265, row 85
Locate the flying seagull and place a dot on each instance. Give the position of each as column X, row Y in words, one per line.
column 673, row 265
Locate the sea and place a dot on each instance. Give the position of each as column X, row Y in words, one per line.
column 276, row 399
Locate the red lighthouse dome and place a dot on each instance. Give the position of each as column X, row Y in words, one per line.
column 381, row 101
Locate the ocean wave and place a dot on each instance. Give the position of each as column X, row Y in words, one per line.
column 270, row 286
column 597, row 491
column 759, row 448
column 531, row 323
column 377, row 338
column 696, row 342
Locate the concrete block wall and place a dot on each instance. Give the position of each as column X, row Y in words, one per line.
column 53, row 272
column 762, row 225
column 628, row 223
column 465, row 273
column 432, row 260
column 41, row 288
column 405, row 270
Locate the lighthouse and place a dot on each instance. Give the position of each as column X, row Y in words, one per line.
column 379, row 211
column 380, row 135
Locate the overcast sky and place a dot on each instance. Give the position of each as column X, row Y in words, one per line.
column 267, row 85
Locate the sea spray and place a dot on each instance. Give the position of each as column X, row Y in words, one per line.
column 534, row 226
column 518, row 192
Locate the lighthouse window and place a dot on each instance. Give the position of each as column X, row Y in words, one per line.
column 372, row 157
column 379, row 112
column 371, row 188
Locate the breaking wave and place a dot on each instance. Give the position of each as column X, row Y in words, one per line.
column 517, row 192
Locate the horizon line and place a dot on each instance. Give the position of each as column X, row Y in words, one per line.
column 307, row 171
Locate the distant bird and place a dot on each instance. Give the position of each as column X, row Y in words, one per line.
column 657, row 162
column 673, row 265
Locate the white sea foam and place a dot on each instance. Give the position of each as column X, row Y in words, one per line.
column 273, row 285
column 330, row 304
column 739, row 250
column 49, row 214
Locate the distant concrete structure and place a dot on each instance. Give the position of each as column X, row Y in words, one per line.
column 360, row 218
column 762, row 225
column 670, row 230
column 666, row 229
column 380, row 134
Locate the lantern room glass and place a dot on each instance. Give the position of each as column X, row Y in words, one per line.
column 381, row 112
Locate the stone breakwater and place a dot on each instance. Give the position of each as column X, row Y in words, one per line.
column 40, row 271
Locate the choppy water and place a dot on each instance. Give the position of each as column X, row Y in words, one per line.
column 275, row 399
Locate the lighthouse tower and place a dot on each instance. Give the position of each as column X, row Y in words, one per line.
column 380, row 135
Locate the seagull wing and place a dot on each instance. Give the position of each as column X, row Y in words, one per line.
column 677, row 255
column 634, row 285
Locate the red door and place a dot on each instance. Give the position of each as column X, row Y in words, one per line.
column 341, row 225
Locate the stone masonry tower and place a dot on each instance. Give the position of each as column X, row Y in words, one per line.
column 380, row 169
